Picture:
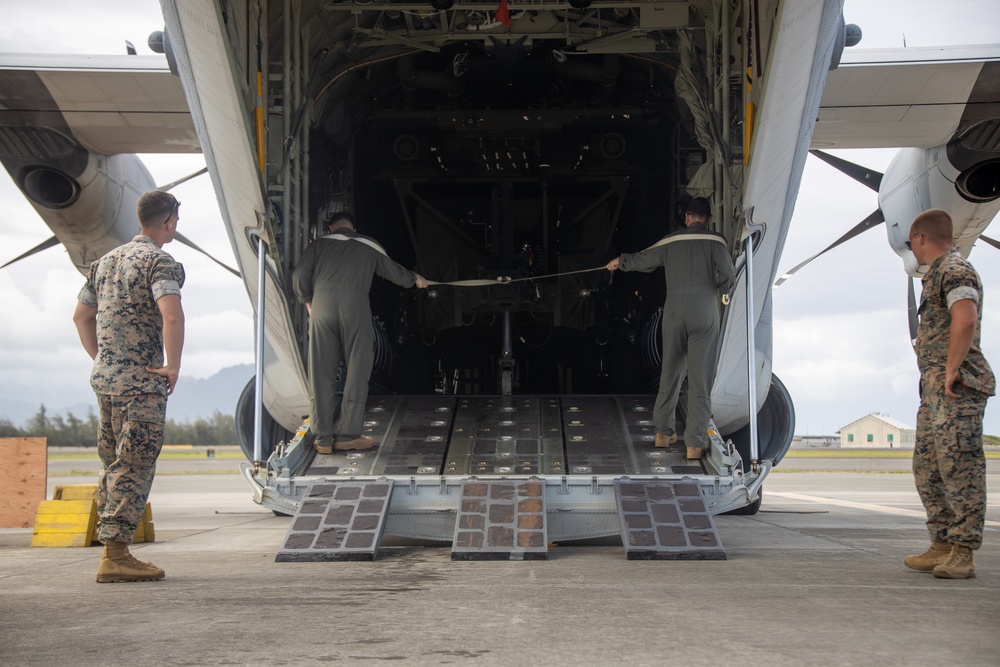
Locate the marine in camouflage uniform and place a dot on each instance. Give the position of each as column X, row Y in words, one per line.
column 697, row 267
column 949, row 467
column 120, row 318
column 333, row 277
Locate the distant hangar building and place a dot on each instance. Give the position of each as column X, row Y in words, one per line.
column 877, row 430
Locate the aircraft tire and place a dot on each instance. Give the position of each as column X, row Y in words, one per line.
column 775, row 427
column 751, row 509
column 271, row 431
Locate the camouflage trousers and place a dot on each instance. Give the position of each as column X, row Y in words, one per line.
column 129, row 442
column 949, row 467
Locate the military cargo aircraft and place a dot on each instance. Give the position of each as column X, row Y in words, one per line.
column 521, row 144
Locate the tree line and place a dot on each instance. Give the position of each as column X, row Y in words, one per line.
column 219, row 430
column 71, row 431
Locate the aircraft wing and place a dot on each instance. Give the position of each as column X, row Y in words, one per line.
column 70, row 129
column 910, row 97
column 108, row 104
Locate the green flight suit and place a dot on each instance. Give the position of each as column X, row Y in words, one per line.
column 697, row 272
column 335, row 276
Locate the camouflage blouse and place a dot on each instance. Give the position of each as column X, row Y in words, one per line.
column 950, row 278
column 124, row 286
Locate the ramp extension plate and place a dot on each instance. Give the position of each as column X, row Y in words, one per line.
column 666, row 521
column 338, row 521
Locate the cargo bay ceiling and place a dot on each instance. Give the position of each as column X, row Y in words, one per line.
column 440, row 90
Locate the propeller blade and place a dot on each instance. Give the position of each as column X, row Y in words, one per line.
column 189, row 243
column 863, row 175
column 992, row 242
column 169, row 186
column 876, row 218
column 911, row 310
column 44, row 245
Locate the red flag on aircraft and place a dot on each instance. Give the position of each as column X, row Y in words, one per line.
column 502, row 14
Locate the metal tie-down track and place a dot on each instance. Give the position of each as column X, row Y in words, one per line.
column 522, row 436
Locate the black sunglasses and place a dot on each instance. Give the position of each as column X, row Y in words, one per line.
column 908, row 244
column 173, row 210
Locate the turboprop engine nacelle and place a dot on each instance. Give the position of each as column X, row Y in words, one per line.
column 88, row 205
column 918, row 179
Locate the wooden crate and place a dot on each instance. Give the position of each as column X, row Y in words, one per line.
column 22, row 479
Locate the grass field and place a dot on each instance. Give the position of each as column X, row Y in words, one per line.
column 861, row 454
column 164, row 455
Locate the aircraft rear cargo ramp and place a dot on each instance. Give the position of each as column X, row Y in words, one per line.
column 577, row 448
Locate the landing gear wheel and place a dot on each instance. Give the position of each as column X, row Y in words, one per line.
column 752, row 508
column 271, row 431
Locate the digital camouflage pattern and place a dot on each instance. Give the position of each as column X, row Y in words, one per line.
column 124, row 286
column 950, row 279
column 949, row 467
column 129, row 443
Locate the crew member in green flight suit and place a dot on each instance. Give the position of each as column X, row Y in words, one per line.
column 698, row 269
column 333, row 278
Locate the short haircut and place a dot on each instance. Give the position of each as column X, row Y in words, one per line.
column 340, row 220
column 936, row 225
column 155, row 207
column 699, row 207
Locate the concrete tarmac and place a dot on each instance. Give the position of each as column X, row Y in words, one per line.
column 815, row 578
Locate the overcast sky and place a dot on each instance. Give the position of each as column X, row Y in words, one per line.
column 841, row 344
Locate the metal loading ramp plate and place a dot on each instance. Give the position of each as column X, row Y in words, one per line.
column 337, row 521
column 666, row 521
column 501, row 520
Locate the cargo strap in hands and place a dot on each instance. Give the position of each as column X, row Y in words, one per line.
column 503, row 280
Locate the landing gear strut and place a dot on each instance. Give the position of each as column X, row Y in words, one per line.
column 507, row 355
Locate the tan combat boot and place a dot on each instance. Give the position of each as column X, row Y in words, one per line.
column 323, row 445
column 959, row 564
column 664, row 440
column 694, row 453
column 927, row 561
column 117, row 564
column 362, row 442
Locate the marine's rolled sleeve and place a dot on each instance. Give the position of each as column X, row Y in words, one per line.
column 961, row 293
column 167, row 277
column 88, row 294
column 959, row 282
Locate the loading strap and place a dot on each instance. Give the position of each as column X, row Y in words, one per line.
column 502, row 280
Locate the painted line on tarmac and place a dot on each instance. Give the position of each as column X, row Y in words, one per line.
column 860, row 506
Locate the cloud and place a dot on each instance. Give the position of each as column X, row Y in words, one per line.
column 836, row 379
column 69, row 26
column 223, row 339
